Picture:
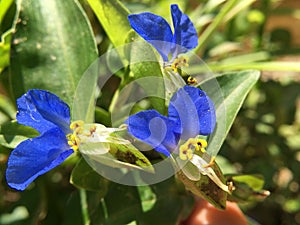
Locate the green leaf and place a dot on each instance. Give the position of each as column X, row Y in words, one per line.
column 4, row 7
column 145, row 77
column 234, row 87
column 113, row 17
column 146, row 70
column 85, row 95
column 122, row 204
column 12, row 133
column 102, row 116
column 83, row 176
column 247, row 188
column 53, row 47
column 5, row 50
column 256, row 182
column 170, row 199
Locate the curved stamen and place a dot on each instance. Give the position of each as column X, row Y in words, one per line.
column 186, row 153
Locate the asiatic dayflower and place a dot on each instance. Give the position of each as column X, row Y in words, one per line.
column 58, row 138
column 190, row 113
column 156, row 30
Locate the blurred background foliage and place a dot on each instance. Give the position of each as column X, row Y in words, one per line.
column 265, row 138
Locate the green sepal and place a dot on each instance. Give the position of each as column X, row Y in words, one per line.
column 206, row 188
column 128, row 155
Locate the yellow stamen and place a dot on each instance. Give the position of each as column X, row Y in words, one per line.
column 186, row 150
column 75, row 124
column 231, row 187
column 201, row 145
column 93, row 129
column 73, row 139
column 191, row 80
column 179, row 63
column 211, row 163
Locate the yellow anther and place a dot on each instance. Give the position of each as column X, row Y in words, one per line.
column 185, row 153
column 182, row 155
column 191, row 80
column 76, row 124
column 186, row 150
column 201, row 145
column 75, row 147
column 73, row 139
column 78, row 130
column 179, row 62
column 93, row 129
column 189, row 153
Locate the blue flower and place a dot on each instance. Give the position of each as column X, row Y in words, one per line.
column 191, row 112
column 156, row 30
column 49, row 115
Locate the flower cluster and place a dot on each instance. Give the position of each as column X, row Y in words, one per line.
column 190, row 113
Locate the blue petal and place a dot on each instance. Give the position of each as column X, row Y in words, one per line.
column 155, row 30
column 32, row 158
column 185, row 34
column 154, row 129
column 194, row 112
column 43, row 111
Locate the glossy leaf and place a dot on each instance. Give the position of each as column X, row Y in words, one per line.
column 247, row 188
column 4, row 7
column 144, row 63
column 234, row 87
column 12, row 134
column 256, row 182
column 53, row 46
column 83, row 176
column 145, row 77
column 113, row 17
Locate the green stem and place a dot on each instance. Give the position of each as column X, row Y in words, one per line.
column 204, row 37
column 84, row 207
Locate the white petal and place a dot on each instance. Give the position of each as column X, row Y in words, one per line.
column 93, row 149
column 200, row 163
column 100, row 134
